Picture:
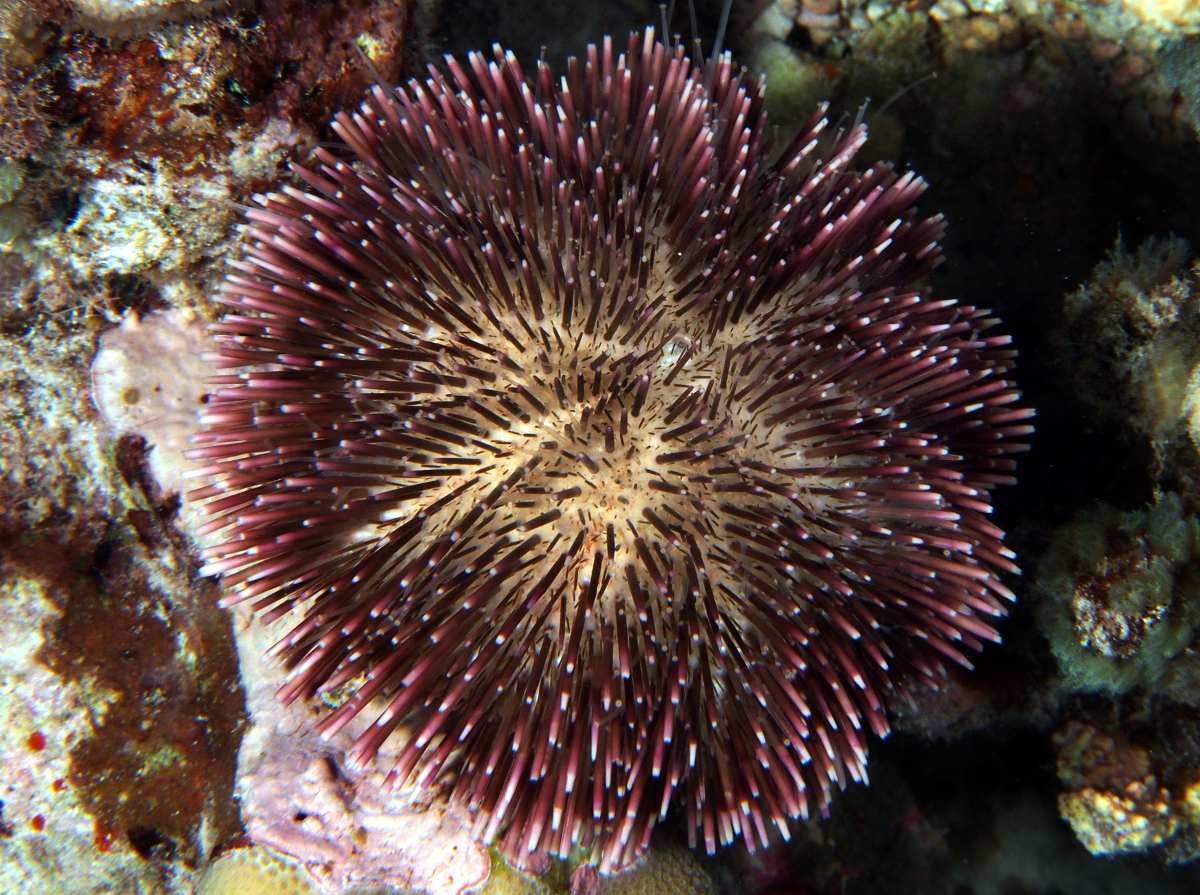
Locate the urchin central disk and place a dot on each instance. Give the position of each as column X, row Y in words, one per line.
column 623, row 468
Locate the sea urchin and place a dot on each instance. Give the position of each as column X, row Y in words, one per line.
column 621, row 466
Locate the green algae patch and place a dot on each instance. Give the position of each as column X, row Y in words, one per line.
column 1120, row 595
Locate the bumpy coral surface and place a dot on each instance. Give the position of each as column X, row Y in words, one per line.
column 667, row 869
column 254, row 871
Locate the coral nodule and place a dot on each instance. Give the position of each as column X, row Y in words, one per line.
column 622, row 467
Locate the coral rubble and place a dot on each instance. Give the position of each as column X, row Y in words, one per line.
column 1113, row 801
column 1125, row 796
column 1118, row 593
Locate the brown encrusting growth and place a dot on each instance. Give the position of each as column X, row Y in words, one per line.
column 621, row 467
column 157, row 767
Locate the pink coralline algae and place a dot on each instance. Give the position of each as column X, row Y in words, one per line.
column 608, row 464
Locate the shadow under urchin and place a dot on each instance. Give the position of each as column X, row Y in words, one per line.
column 620, row 465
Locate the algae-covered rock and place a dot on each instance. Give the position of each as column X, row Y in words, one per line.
column 667, row 869
column 1131, row 345
column 1120, row 595
column 505, row 880
column 794, row 85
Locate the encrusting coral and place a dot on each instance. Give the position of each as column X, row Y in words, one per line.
column 299, row 797
column 254, row 871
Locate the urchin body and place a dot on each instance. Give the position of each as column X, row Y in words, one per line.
column 620, row 467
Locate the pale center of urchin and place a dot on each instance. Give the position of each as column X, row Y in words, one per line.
column 628, row 453
column 596, row 458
